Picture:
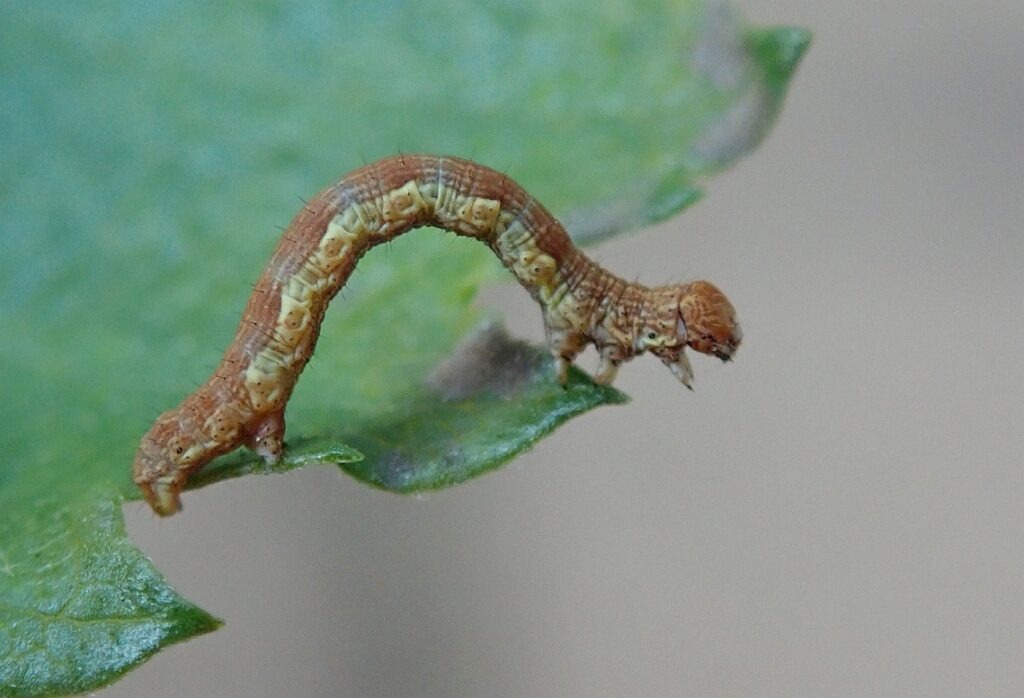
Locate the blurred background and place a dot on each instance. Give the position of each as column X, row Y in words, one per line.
column 838, row 513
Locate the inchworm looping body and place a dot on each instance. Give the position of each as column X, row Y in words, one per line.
column 243, row 402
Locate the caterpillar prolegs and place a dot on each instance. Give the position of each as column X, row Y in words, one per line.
column 243, row 403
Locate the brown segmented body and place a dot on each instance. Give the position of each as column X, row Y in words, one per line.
column 243, row 402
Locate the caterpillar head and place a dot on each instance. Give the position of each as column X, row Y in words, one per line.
column 704, row 320
column 710, row 319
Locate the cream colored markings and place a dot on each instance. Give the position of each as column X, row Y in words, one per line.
column 519, row 251
column 405, row 203
column 470, row 215
column 478, row 213
column 511, row 234
column 533, row 266
column 223, row 424
column 538, row 270
column 266, row 378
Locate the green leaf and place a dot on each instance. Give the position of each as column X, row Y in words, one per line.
column 490, row 399
column 150, row 152
column 79, row 598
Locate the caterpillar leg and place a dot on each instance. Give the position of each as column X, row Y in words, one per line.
column 565, row 346
column 267, row 437
column 608, row 366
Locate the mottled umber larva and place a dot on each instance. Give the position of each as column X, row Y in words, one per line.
column 243, row 403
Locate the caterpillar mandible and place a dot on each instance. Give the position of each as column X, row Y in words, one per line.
column 243, row 403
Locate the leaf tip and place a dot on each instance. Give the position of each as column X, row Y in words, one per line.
column 780, row 50
column 191, row 621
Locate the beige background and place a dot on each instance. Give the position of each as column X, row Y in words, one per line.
column 839, row 513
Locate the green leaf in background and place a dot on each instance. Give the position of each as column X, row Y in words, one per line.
column 148, row 154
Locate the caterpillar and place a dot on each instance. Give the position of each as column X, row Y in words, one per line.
column 243, row 402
